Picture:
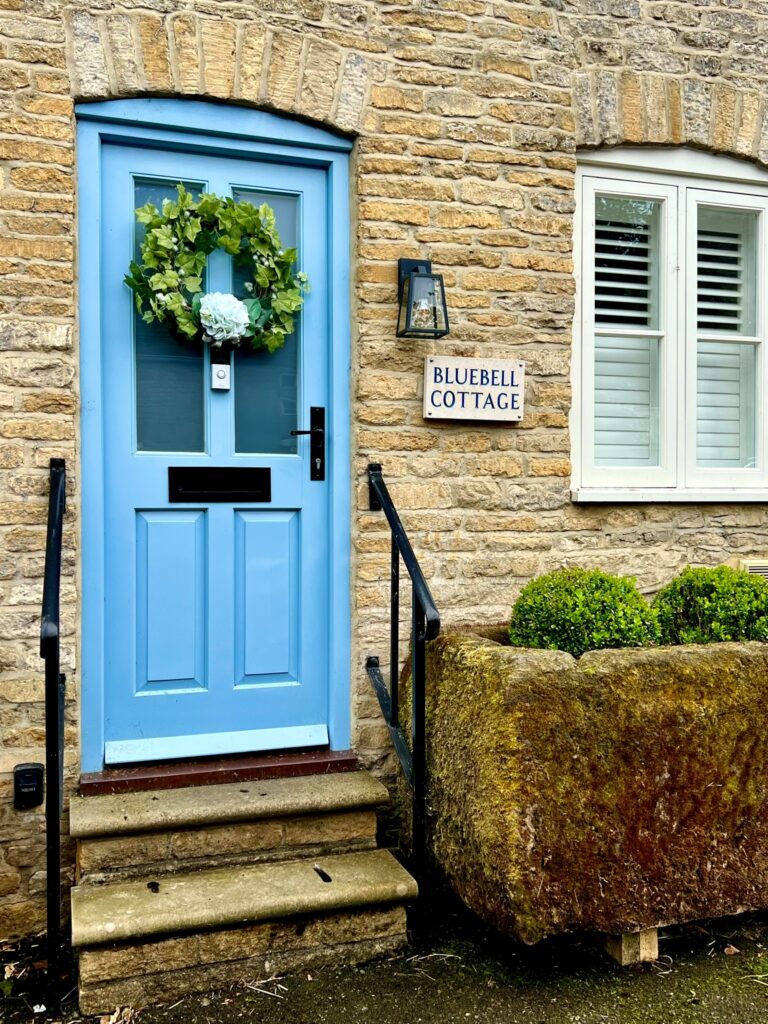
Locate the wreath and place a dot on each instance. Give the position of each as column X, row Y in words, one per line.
column 168, row 282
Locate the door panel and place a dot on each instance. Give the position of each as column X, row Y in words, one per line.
column 267, row 569
column 170, row 600
column 223, row 607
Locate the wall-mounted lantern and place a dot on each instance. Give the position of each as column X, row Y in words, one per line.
column 421, row 294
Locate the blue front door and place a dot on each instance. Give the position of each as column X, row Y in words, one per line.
column 216, row 613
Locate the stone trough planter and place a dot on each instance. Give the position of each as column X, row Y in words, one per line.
column 614, row 794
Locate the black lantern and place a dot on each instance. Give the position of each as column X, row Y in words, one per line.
column 421, row 294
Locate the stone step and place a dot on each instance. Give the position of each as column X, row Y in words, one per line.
column 223, row 897
column 164, row 970
column 145, row 941
column 164, row 832
column 116, row 814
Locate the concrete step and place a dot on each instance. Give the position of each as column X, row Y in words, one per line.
column 167, row 831
column 145, row 941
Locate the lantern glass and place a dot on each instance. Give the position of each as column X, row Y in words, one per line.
column 423, row 311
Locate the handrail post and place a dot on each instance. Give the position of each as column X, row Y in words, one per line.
column 394, row 634
column 54, row 779
column 419, row 734
column 50, row 651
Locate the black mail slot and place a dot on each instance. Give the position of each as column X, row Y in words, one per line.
column 219, row 483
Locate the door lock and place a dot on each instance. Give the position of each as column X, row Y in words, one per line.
column 316, row 434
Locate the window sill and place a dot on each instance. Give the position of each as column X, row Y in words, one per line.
column 666, row 495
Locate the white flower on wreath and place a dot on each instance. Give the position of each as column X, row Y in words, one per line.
column 224, row 317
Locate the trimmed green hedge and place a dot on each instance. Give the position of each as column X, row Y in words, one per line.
column 578, row 610
column 705, row 606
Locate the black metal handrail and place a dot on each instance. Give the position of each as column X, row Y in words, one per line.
column 425, row 625
column 50, row 632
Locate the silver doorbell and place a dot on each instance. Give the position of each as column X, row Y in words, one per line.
column 220, row 376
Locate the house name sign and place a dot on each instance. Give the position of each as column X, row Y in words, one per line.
column 473, row 389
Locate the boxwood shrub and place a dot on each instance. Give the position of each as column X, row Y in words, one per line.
column 705, row 606
column 578, row 610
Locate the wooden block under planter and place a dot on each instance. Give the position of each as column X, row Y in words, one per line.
column 633, row 947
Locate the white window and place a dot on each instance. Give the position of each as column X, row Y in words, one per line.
column 670, row 369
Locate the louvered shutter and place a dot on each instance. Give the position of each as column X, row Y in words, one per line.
column 626, row 276
column 725, row 307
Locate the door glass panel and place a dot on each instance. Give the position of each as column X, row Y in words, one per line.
column 170, row 414
column 266, row 384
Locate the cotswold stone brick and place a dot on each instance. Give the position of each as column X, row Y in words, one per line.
column 320, row 76
column 283, row 72
column 253, row 44
column 187, row 47
column 156, row 55
column 400, row 213
column 491, row 195
column 549, row 467
column 120, row 30
column 390, row 98
column 42, row 179
column 38, row 429
column 499, row 281
column 11, row 456
column 352, row 88
column 218, row 44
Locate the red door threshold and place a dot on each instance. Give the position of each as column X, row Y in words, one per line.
column 209, row 771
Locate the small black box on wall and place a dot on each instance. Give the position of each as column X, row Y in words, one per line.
column 27, row 785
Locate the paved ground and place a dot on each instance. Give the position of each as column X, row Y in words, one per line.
column 456, row 971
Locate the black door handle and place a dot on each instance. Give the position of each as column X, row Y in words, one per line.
column 316, row 433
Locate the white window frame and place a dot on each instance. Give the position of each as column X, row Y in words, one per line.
column 679, row 178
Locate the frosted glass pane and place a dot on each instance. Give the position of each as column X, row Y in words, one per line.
column 170, row 413
column 727, row 271
column 265, row 385
column 627, row 262
column 725, row 405
column 626, row 401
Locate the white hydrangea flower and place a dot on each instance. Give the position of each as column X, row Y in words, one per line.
column 224, row 317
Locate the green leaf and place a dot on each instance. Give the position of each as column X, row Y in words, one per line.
column 146, row 213
column 254, row 310
column 192, row 228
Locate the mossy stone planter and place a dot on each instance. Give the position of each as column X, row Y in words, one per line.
column 618, row 792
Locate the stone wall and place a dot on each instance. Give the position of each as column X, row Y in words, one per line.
column 467, row 115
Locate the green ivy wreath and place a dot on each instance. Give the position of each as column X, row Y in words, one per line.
column 168, row 281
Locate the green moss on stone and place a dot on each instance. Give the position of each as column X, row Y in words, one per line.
column 624, row 790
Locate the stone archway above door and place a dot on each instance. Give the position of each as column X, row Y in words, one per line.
column 122, row 55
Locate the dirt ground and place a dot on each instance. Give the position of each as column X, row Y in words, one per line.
column 457, row 971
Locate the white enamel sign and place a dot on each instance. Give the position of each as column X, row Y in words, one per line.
column 473, row 389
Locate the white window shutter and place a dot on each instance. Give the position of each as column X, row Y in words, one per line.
column 626, row 300
column 626, row 401
column 725, row 405
column 726, row 278
column 624, row 277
